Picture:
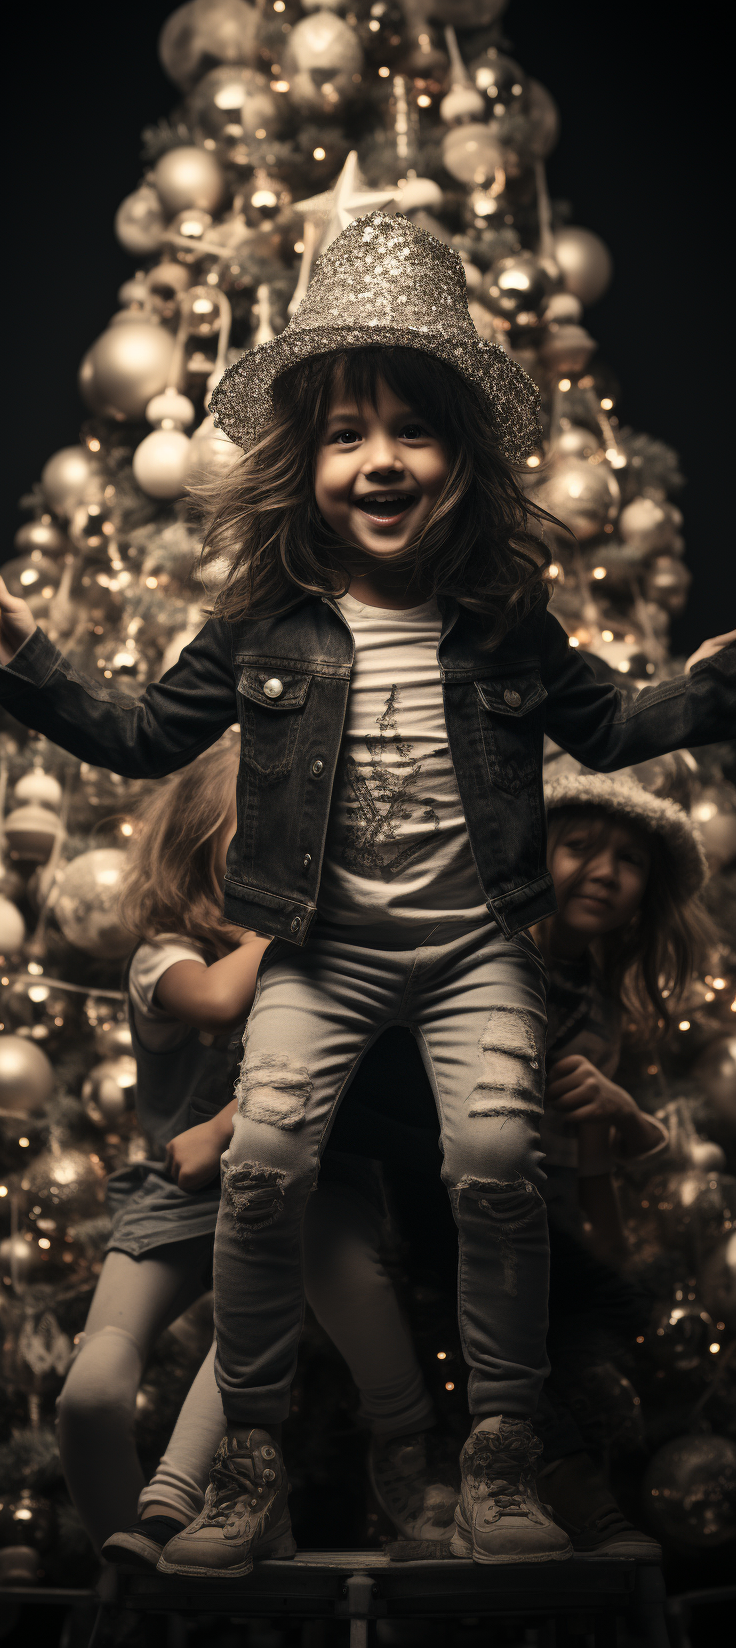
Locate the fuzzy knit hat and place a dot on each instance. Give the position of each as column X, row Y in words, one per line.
column 627, row 800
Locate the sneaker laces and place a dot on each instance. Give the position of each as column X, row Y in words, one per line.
column 496, row 1469
column 227, row 1487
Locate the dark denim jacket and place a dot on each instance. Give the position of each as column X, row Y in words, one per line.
column 499, row 702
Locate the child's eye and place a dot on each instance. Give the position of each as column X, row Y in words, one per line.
column 414, row 432
column 345, row 437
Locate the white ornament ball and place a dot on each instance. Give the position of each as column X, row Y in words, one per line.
column 584, row 496
column 471, row 153
column 30, row 832
column 160, row 463
column 42, row 535
column 172, row 410
column 67, row 477
column 460, row 104
column 12, row 928
column 189, row 176
column 211, row 452
column 563, row 306
column 109, row 1089
column 203, row 32
column 649, row 523
column 324, row 42
column 86, row 906
column 420, row 194
column 26, row 1077
column 127, row 366
column 139, row 222
column 39, row 786
column 584, row 261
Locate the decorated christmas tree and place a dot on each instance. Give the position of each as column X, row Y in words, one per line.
column 289, row 121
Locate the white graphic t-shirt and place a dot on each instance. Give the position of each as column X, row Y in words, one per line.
column 397, row 847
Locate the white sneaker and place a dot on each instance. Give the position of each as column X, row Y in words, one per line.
column 499, row 1517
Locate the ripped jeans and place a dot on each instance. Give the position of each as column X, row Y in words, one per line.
column 476, row 1005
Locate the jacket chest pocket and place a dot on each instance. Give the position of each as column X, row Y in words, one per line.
column 511, row 715
column 270, row 710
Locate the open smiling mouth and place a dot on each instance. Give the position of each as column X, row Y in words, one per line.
column 386, row 506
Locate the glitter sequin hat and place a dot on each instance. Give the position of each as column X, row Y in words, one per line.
column 627, row 800
column 383, row 283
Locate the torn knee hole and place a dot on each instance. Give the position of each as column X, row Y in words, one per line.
column 274, row 1088
column 255, row 1194
column 512, row 1049
column 509, row 1206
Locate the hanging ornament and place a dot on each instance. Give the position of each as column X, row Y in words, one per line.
column 113, row 1037
column 500, row 83
column 30, row 832
column 26, row 1077
column 233, row 105
column 717, row 1282
column 38, row 1011
column 126, row 367
column 651, row 523
column 321, row 56
column 463, row 102
column 67, row 477
column 380, row 30
column 32, row 575
column 420, row 194
column 12, row 929
column 516, row 289
column 471, row 154
column 349, row 199
column 689, row 1491
column 66, row 1180
column 39, row 786
column 575, row 441
column 43, row 536
column 26, row 1533
column 563, row 307
column 204, row 32
column 584, row 261
column 160, row 462
column 566, row 348
column 693, row 1207
column 134, row 294
column 139, row 222
column 189, row 177
column 584, row 496
column 679, row 1336
column 211, row 452
column 108, row 1092
column 86, row 905
column 164, row 284
column 667, row 582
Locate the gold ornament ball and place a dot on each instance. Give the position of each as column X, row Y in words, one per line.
column 160, row 463
column 140, row 223
column 30, row 832
column 576, row 442
column 584, row 261
column 33, row 574
column 112, row 1038
column 18, row 1260
column 35, row 1009
column 322, row 44
column 236, row 103
column 127, row 366
column 516, row 288
column 582, row 495
column 86, row 906
column 65, row 1178
column 43, row 536
column 203, row 32
column 67, row 478
column 12, row 928
column 26, row 1077
column 689, row 1492
column 189, row 176
column 566, row 348
column 39, row 786
column 108, row 1092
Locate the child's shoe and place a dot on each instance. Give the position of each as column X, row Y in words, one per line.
column 245, row 1516
column 140, row 1546
column 419, row 1507
column 581, row 1502
column 499, row 1517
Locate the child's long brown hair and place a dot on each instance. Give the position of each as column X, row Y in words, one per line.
column 476, row 545
column 666, row 942
column 169, row 885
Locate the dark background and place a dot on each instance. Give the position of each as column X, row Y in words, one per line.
column 639, row 158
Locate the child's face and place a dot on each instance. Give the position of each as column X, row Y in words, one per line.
column 600, row 875
column 380, row 469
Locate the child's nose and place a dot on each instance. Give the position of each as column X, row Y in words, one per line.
column 381, row 455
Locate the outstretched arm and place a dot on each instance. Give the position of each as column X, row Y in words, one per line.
column 606, row 728
column 173, row 722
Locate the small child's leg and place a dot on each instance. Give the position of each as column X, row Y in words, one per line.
column 134, row 1300
column 178, row 1484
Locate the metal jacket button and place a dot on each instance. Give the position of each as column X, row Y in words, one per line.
column 295, row 925
column 273, row 688
column 318, row 767
column 307, row 860
column 513, row 699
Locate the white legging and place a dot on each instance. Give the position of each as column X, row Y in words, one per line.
column 135, row 1299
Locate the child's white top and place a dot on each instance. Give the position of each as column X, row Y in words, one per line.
column 397, row 847
column 157, row 1029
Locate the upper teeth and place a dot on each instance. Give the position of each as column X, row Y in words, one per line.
column 385, row 497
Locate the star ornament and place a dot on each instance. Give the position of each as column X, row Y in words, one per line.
column 349, row 199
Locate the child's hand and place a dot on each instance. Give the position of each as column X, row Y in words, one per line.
column 16, row 623
column 193, row 1157
column 708, row 649
column 575, row 1087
